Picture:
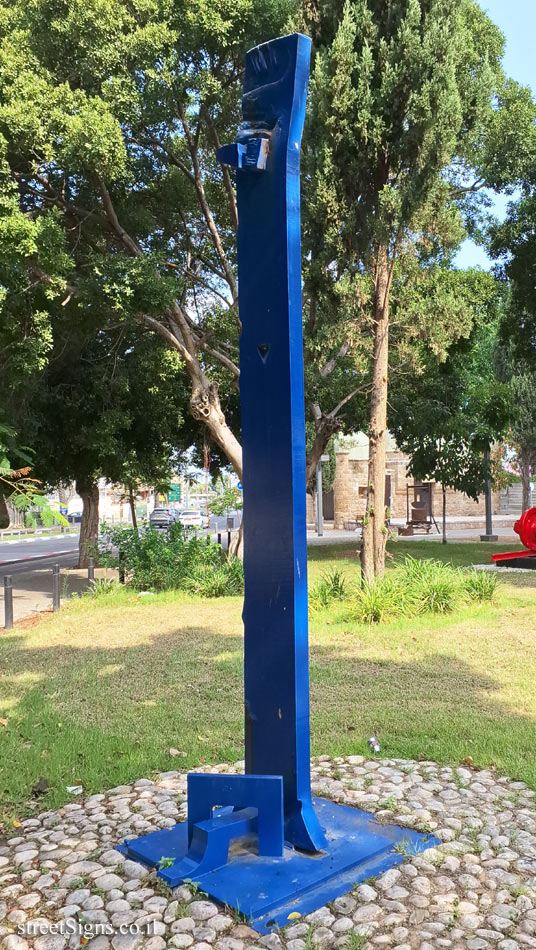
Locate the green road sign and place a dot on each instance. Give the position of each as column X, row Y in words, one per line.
column 174, row 493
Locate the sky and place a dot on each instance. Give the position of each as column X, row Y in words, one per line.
column 517, row 20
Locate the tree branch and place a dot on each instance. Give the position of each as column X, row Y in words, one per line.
column 166, row 333
column 224, row 360
column 227, row 181
column 118, row 229
column 360, row 389
column 174, row 160
column 331, row 364
column 199, row 187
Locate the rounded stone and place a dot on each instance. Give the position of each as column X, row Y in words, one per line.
column 202, row 910
column 134, row 871
column 229, row 943
column 388, row 879
column 112, row 858
column 14, row 942
column 117, row 906
column 221, row 922
column 50, row 942
column 322, row 937
column 342, row 925
column 366, row 913
column 108, row 882
column 183, row 925
column 204, row 935
column 128, row 941
column 366, row 893
column 155, row 943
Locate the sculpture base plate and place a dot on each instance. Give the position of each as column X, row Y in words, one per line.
column 269, row 890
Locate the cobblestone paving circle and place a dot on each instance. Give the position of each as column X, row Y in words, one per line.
column 476, row 890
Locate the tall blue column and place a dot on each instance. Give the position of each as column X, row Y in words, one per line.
column 276, row 668
column 271, row 806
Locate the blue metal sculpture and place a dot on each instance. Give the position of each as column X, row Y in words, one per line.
column 276, row 676
column 268, row 814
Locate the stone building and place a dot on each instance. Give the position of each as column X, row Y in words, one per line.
column 350, row 487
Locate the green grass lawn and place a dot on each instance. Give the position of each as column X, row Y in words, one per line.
column 99, row 693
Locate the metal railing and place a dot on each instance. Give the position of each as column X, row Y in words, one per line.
column 56, row 591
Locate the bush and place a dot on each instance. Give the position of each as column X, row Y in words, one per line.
column 417, row 587
column 331, row 586
column 221, row 581
column 480, row 585
column 382, row 600
column 172, row 560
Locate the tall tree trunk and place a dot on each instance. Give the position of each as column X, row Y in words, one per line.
column 4, row 513
column 132, row 503
column 237, row 542
column 89, row 528
column 205, row 406
column 374, row 526
column 524, row 468
column 444, row 514
column 326, row 427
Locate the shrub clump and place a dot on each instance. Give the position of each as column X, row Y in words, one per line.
column 413, row 588
column 172, row 560
column 332, row 586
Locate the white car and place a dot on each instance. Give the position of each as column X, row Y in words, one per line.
column 163, row 518
column 191, row 518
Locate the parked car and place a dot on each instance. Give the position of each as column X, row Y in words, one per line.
column 75, row 517
column 162, row 518
column 191, row 518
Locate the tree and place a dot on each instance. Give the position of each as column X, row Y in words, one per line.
column 228, row 499
column 410, row 116
column 519, row 373
column 513, row 244
column 108, row 405
column 111, row 113
column 447, row 418
column 523, row 431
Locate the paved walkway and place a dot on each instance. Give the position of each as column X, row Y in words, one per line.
column 32, row 590
column 504, row 531
column 62, row 880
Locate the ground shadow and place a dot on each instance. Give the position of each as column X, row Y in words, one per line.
column 101, row 716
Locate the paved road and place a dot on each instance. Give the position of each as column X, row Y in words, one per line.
column 64, row 548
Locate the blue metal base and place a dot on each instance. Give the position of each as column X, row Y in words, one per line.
column 268, row 890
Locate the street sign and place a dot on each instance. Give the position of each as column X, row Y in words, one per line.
column 175, row 493
column 239, row 486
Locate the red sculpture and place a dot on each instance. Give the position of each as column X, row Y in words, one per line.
column 526, row 529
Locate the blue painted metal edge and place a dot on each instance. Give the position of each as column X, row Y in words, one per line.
column 268, row 890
